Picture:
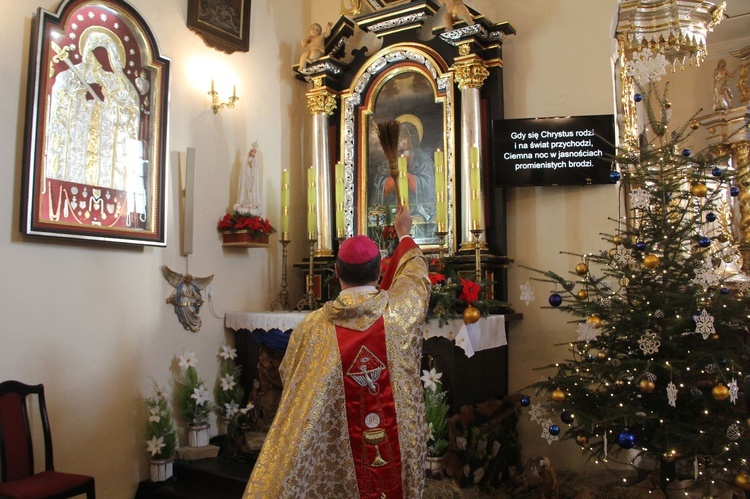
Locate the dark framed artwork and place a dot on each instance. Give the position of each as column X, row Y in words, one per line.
column 409, row 95
column 222, row 24
column 96, row 131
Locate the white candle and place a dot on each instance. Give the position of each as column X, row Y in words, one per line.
column 187, row 240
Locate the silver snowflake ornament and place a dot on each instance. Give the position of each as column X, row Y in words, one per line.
column 623, row 256
column 640, row 198
column 538, row 413
column 586, row 331
column 734, row 391
column 527, row 293
column 649, row 343
column 705, row 275
column 672, row 394
column 704, row 324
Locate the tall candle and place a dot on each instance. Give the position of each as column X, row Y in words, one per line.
column 312, row 202
column 403, row 182
column 473, row 156
column 339, row 174
column 285, row 202
column 440, row 206
column 476, row 196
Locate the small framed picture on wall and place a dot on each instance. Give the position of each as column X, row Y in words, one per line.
column 222, row 24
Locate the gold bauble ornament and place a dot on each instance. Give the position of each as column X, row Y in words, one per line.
column 583, row 294
column 699, row 190
column 558, row 396
column 471, row 314
column 695, row 125
column 650, row 261
column 742, row 480
column 720, row 392
column 601, row 356
column 612, row 252
column 619, row 383
column 582, row 268
column 582, row 440
column 617, row 240
column 624, row 281
column 594, row 321
column 646, row 385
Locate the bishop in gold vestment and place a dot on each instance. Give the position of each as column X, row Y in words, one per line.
column 308, row 452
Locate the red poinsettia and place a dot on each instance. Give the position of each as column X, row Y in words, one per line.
column 436, row 277
column 236, row 221
column 469, row 290
column 389, row 232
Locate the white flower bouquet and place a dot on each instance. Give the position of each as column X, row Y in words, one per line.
column 436, row 410
column 228, row 390
column 161, row 435
column 193, row 398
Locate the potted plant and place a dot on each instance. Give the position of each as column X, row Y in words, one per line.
column 161, row 435
column 193, row 400
column 436, row 412
column 228, row 390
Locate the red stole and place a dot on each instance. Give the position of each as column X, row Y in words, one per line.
column 405, row 245
column 371, row 412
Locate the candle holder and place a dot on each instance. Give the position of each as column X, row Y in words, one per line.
column 282, row 299
column 309, row 301
column 477, row 233
column 441, row 242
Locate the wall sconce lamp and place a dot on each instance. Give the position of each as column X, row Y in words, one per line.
column 215, row 105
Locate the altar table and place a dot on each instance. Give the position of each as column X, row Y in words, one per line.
column 273, row 329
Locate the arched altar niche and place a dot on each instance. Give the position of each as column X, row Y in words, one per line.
column 449, row 82
column 412, row 85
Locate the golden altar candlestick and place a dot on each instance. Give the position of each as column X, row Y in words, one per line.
column 282, row 299
column 309, row 301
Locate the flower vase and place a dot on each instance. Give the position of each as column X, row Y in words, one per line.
column 161, row 469
column 198, row 435
column 223, row 424
column 434, row 466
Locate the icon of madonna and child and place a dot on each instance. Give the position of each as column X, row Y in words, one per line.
column 381, row 187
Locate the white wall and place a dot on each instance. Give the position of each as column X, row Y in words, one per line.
column 90, row 321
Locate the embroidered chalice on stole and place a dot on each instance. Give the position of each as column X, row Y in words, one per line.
column 375, row 436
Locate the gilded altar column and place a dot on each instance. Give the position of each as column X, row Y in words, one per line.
column 322, row 103
column 470, row 74
column 741, row 157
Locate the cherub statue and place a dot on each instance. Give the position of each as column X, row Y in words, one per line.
column 455, row 10
column 315, row 44
column 186, row 297
column 248, row 192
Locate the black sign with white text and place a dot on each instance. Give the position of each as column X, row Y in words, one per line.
column 571, row 150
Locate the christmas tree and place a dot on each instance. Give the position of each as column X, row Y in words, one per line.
column 662, row 357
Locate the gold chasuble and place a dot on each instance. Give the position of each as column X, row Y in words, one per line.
column 351, row 419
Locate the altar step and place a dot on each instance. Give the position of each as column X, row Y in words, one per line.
column 214, row 478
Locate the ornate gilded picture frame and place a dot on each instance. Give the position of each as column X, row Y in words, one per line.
column 221, row 24
column 409, row 84
column 96, row 132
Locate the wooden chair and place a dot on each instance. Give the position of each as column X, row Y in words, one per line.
column 17, row 477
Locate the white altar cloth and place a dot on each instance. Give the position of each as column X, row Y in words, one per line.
column 488, row 332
